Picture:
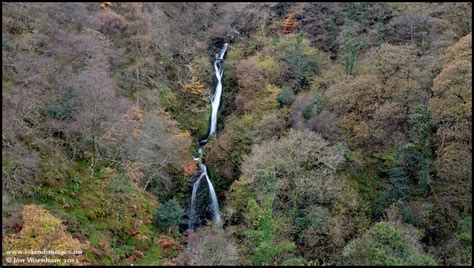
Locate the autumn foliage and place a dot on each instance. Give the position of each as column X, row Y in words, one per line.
column 196, row 88
column 289, row 24
column 452, row 113
column 190, row 168
column 105, row 4
column 166, row 242
column 334, row 116
column 42, row 231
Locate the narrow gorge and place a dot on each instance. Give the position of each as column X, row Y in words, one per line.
column 215, row 101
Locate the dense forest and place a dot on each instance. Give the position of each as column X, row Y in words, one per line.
column 343, row 135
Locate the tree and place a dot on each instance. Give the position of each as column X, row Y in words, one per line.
column 209, row 245
column 159, row 147
column 41, row 230
column 169, row 214
column 355, row 101
column 398, row 185
column 452, row 116
column 250, row 82
column 417, row 154
column 286, row 97
column 350, row 44
column 410, row 163
column 288, row 178
column 302, row 65
column 263, row 233
column 196, row 88
column 374, row 107
column 384, row 244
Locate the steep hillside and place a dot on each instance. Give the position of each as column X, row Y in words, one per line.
column 343, row 137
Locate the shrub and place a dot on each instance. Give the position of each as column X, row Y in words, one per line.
column 286, row 97
column 169, row 214
column 307, row 111
column 167, row 98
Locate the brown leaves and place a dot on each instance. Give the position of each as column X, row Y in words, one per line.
column 135, row 118
column 111, row 21
column 104, row 245
column 289, row 24
column 190, row 168
column 166, row 242
column 250, row 82
column 452, row 115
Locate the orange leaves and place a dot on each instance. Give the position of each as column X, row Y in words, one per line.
column 190, row 168
column 289, row 24
column 196, row 88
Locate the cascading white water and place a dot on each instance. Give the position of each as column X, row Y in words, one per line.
column 215, row 102
column 215, row 204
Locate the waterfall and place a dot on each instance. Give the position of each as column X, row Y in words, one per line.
column 215, row 102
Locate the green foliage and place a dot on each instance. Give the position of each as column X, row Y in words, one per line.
column 398, row 187
column 169, row 214
column 293, row 262
column 319, row 103
column 167, row 98
column 86, row 128
column 302, row 66
column 408, row 216
column 63, row 108
column 298, row 172
column 369, row 184
column 264, row 235
column 350, row 43
column 384, row 244
column 408, row 164
column 418, row 163
column 286, row 97
column 307, row 111
column 465, row 240
column 6, row 43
